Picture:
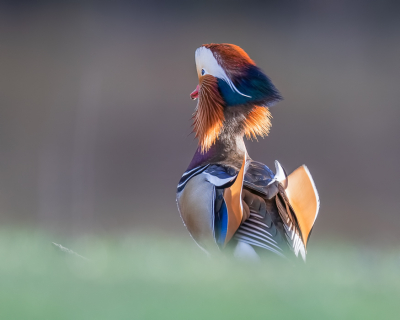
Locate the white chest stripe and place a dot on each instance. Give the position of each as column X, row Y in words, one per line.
column 217, row 181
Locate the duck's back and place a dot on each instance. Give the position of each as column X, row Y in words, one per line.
column 271, row 225
column 268, row 227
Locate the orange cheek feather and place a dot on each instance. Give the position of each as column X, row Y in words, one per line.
column 208, row 117
column 258, row 122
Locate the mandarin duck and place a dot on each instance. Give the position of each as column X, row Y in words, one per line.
column 226, row 199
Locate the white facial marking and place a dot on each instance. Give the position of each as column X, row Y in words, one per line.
column 206, row 61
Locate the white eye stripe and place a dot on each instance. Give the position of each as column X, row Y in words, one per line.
column 205, row 60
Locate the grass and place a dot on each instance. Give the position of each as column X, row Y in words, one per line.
column 144, row 277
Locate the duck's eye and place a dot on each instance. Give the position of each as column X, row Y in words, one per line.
column 203, row 72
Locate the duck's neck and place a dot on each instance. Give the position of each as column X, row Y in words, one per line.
column 229, row 149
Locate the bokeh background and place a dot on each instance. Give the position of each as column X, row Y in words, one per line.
column 95, row 115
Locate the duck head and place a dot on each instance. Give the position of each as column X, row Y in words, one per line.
column 233, row 95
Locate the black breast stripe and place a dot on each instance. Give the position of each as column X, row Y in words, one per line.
column 188, row 175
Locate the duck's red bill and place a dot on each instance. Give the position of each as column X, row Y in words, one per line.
column 195, row 94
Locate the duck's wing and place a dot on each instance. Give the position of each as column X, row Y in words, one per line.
column 292, row 205
column 260, row 179
column 209, row 201
column 304, row 200
column 265, row 228
column 298, row 205
column 227, row 183
column 293, row 232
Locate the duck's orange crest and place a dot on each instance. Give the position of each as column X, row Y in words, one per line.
column 229, row 56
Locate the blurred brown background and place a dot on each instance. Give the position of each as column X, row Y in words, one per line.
column 95, row 109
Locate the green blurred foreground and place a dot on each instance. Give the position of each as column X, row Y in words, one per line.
column 142, row 277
